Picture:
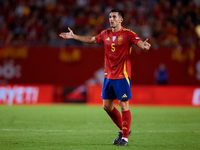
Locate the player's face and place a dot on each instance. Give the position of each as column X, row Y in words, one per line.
column 115, row 19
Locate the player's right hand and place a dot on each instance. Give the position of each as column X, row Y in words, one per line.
column 67, row 35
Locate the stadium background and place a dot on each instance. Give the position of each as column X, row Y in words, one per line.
column 37, row 66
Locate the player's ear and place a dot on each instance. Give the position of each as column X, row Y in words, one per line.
column 121, row 20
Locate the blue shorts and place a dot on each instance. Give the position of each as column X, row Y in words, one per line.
column 116, row 89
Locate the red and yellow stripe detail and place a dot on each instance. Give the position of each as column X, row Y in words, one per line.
column 126, row 74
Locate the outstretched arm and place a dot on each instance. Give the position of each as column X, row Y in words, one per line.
column 144, row 45
column 71, row 35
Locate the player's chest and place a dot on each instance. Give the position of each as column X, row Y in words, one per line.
column 117, row 40
column 115, row 43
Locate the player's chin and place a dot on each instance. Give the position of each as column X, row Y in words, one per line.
column 111, row 25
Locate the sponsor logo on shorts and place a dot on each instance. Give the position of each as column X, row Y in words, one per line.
column 124, row 96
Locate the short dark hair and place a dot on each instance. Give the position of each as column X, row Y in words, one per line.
column 119, row 12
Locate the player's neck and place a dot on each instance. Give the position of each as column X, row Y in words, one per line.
column 117, row 28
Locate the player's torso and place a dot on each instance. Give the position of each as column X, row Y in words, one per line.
column 117, row 48
column 116, row 44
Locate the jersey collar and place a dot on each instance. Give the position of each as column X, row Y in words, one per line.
column 118, row 31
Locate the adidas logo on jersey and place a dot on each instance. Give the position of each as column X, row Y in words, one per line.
column 108, row 39
column 124, row 96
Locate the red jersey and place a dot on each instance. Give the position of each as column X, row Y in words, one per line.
column 117, row 47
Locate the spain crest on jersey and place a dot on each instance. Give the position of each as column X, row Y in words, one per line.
column 120, row 39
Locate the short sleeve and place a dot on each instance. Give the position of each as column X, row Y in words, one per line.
column 100, row 38
column 134, row 38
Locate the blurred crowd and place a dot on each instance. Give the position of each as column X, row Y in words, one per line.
column 39, row 22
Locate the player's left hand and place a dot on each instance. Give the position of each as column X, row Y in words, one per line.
column 146, row 44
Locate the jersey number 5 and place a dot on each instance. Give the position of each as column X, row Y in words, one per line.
column 112, row 47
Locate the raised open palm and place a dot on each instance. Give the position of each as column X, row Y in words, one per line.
column 67, row 35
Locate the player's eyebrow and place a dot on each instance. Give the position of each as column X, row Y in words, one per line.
column 114, row 16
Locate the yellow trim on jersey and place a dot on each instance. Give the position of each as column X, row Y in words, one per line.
column 124, row 29
column 109, row 29
column 126, row 74
column 130, row 50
